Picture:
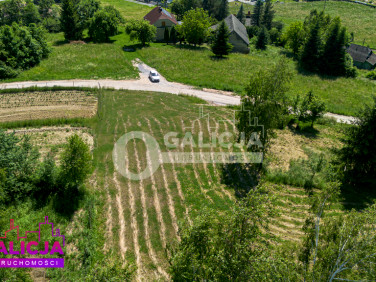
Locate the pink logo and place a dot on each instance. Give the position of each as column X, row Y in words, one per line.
column 25, row 246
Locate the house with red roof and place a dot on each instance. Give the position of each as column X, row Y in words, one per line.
column 161, row 19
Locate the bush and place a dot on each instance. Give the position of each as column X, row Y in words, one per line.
column 371, row 75
column 252, row 31
column 103, row 25
column 140, row 30
column 21, row 48
column 76, row 163
column 274, row 36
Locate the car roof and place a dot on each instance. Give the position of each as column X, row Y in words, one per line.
column 153, row 72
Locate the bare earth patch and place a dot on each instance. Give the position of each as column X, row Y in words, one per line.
column 47, row 105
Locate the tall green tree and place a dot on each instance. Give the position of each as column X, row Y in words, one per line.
column 333, row 60
column 44, row 7
column 265, row 99
column 195, row 27
column 70, row 21
column 294, row 37
column 140, row 30
column 268, row 15
column 30, row 13
column 166, row 35
column 75, row 162
column 311, row 53
column 227, row 246
column 256, row 17
column 357, row 159
column 103, row 25
column 240, row 15
column 11, row 11
column 262, row 38
column 223, row 10
column 220, row 46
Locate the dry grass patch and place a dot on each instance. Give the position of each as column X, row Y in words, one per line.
column 47, row 105
column 48, row 138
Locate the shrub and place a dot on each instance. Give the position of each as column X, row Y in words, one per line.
column 103, row 25
column 76, row 163
column 21, row 48
column 140, row 30
column 262, row 38
column 371, row 75
column 252, row 31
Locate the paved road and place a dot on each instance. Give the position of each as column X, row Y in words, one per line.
column 144, row 84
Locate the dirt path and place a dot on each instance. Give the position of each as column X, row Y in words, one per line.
column 213, row 96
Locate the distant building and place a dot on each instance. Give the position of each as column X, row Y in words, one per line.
column 161, row 19
column 238, row 34
column 363, row 57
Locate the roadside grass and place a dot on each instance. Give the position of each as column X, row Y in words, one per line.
column 197, row 67
column 356, row 18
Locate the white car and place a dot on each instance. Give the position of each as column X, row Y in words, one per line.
column 154, row 76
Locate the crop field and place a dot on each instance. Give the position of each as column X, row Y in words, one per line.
column 141, row 218
column 67, row 104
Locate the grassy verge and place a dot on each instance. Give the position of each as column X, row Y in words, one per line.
column 197, row 67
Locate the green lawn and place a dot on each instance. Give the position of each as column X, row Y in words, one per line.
column 83, row 61
column 356, row 18
column 128, row 9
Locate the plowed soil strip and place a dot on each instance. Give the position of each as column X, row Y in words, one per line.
column 178, row 184
column 146, row 218
column 134, row 225
column 122, row 246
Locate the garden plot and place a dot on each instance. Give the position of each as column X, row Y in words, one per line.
column 47, row 105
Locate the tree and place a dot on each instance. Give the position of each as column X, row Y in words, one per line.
column 76, row 162
column 166, row 36
column 340, row 247
column 240, row 15
column 333, row 60
column 45, row 7
column 195, row 26
column 262, row 38
column 21, row 48
column 86, row 10
column 11, row 12
column 311, row 53
column 268, row 15
column 52, row 22
column 223, row 10
column 309, row 109
column 173, row 36
column 357, row 159
column 180, row 7
column 70, row 21
column 264, row 100
column 140, row 30
column 220, row 46
column 229, row 246
column 30, row 13
column 103, row 25
column 294, row 37
column 256, row 17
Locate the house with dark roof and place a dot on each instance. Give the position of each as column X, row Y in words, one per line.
column 363, row 57
column 238, row 34
column 161, row 19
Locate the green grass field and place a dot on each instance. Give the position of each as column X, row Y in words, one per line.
column 356, row 18
column 137, row 220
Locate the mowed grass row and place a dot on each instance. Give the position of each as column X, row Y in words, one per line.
column 152, row 208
